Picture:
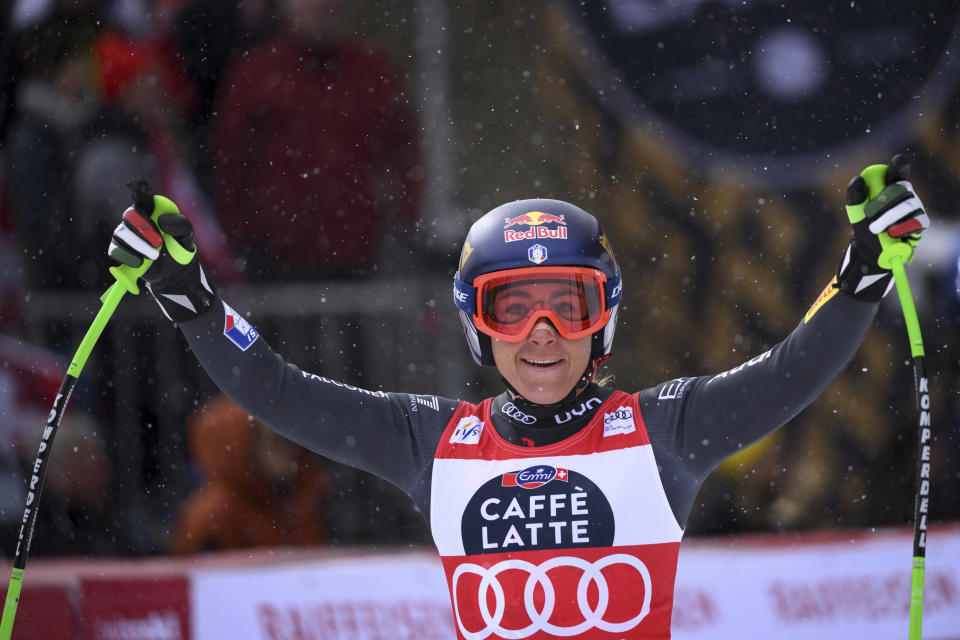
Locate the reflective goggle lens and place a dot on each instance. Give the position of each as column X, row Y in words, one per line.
column 511, row 302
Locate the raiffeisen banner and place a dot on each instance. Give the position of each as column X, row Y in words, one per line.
column 853, row 585
column 395, row 597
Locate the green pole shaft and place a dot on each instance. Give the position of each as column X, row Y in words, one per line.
column 916, row 598
column 110, row 300
column 909, row 309
column 126, row 281
column 921, row 501
column 10, row 604
column 894, row 254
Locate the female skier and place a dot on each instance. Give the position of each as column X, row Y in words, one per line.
column 558, row 506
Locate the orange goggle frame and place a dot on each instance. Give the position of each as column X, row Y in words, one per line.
column 511, row 302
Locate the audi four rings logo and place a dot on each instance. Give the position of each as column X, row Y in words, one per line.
column 511, row 411
column 620, row 414
column 593, row 617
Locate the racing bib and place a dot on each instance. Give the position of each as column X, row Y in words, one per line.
column 571, row 540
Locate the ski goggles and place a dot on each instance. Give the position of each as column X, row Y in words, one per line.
column 510, row 303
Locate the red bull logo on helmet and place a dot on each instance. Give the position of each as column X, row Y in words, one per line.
column 534, row 229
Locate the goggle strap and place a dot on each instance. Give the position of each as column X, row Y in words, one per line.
column 464, row 295
column 612, row 291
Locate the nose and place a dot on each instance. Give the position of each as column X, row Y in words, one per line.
column 543, row 332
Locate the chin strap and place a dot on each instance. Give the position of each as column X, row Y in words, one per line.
column 593, row 369
column 513, row 392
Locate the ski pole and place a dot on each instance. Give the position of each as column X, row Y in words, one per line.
column 126, row 281
column 922, row 497
column 893, row 257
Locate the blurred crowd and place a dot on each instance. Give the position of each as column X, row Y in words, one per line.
column 293, row 146
column 262, row 117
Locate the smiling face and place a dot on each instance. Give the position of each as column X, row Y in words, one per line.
column 544, row 366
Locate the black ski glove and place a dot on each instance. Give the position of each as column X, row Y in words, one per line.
column 895, row 212
column 175, row 279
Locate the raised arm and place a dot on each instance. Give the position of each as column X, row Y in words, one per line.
column 713, row 417
column 696, row 423
column 391, row 435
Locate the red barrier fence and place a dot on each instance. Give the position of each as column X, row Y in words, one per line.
column 837, row 585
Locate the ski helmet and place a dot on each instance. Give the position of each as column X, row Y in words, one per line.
column 536, row 236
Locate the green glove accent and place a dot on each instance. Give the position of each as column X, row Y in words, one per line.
column 879, row 196
column 873, row 176
column 163, row 206
column 127, row 275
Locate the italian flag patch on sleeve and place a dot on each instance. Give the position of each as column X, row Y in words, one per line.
column 238, row 330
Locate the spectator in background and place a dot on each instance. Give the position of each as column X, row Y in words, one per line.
column 94, row 109
column 316, row 153
column 260, row 489
column 12, row 289
column 56, row 107
column 208, row 33
column 141, row 80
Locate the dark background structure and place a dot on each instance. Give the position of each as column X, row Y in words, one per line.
column 713, row 140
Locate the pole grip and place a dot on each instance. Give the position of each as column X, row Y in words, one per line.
column 126, row 275
column 891, row 251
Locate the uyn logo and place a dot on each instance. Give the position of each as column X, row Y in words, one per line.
column 583, row 408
